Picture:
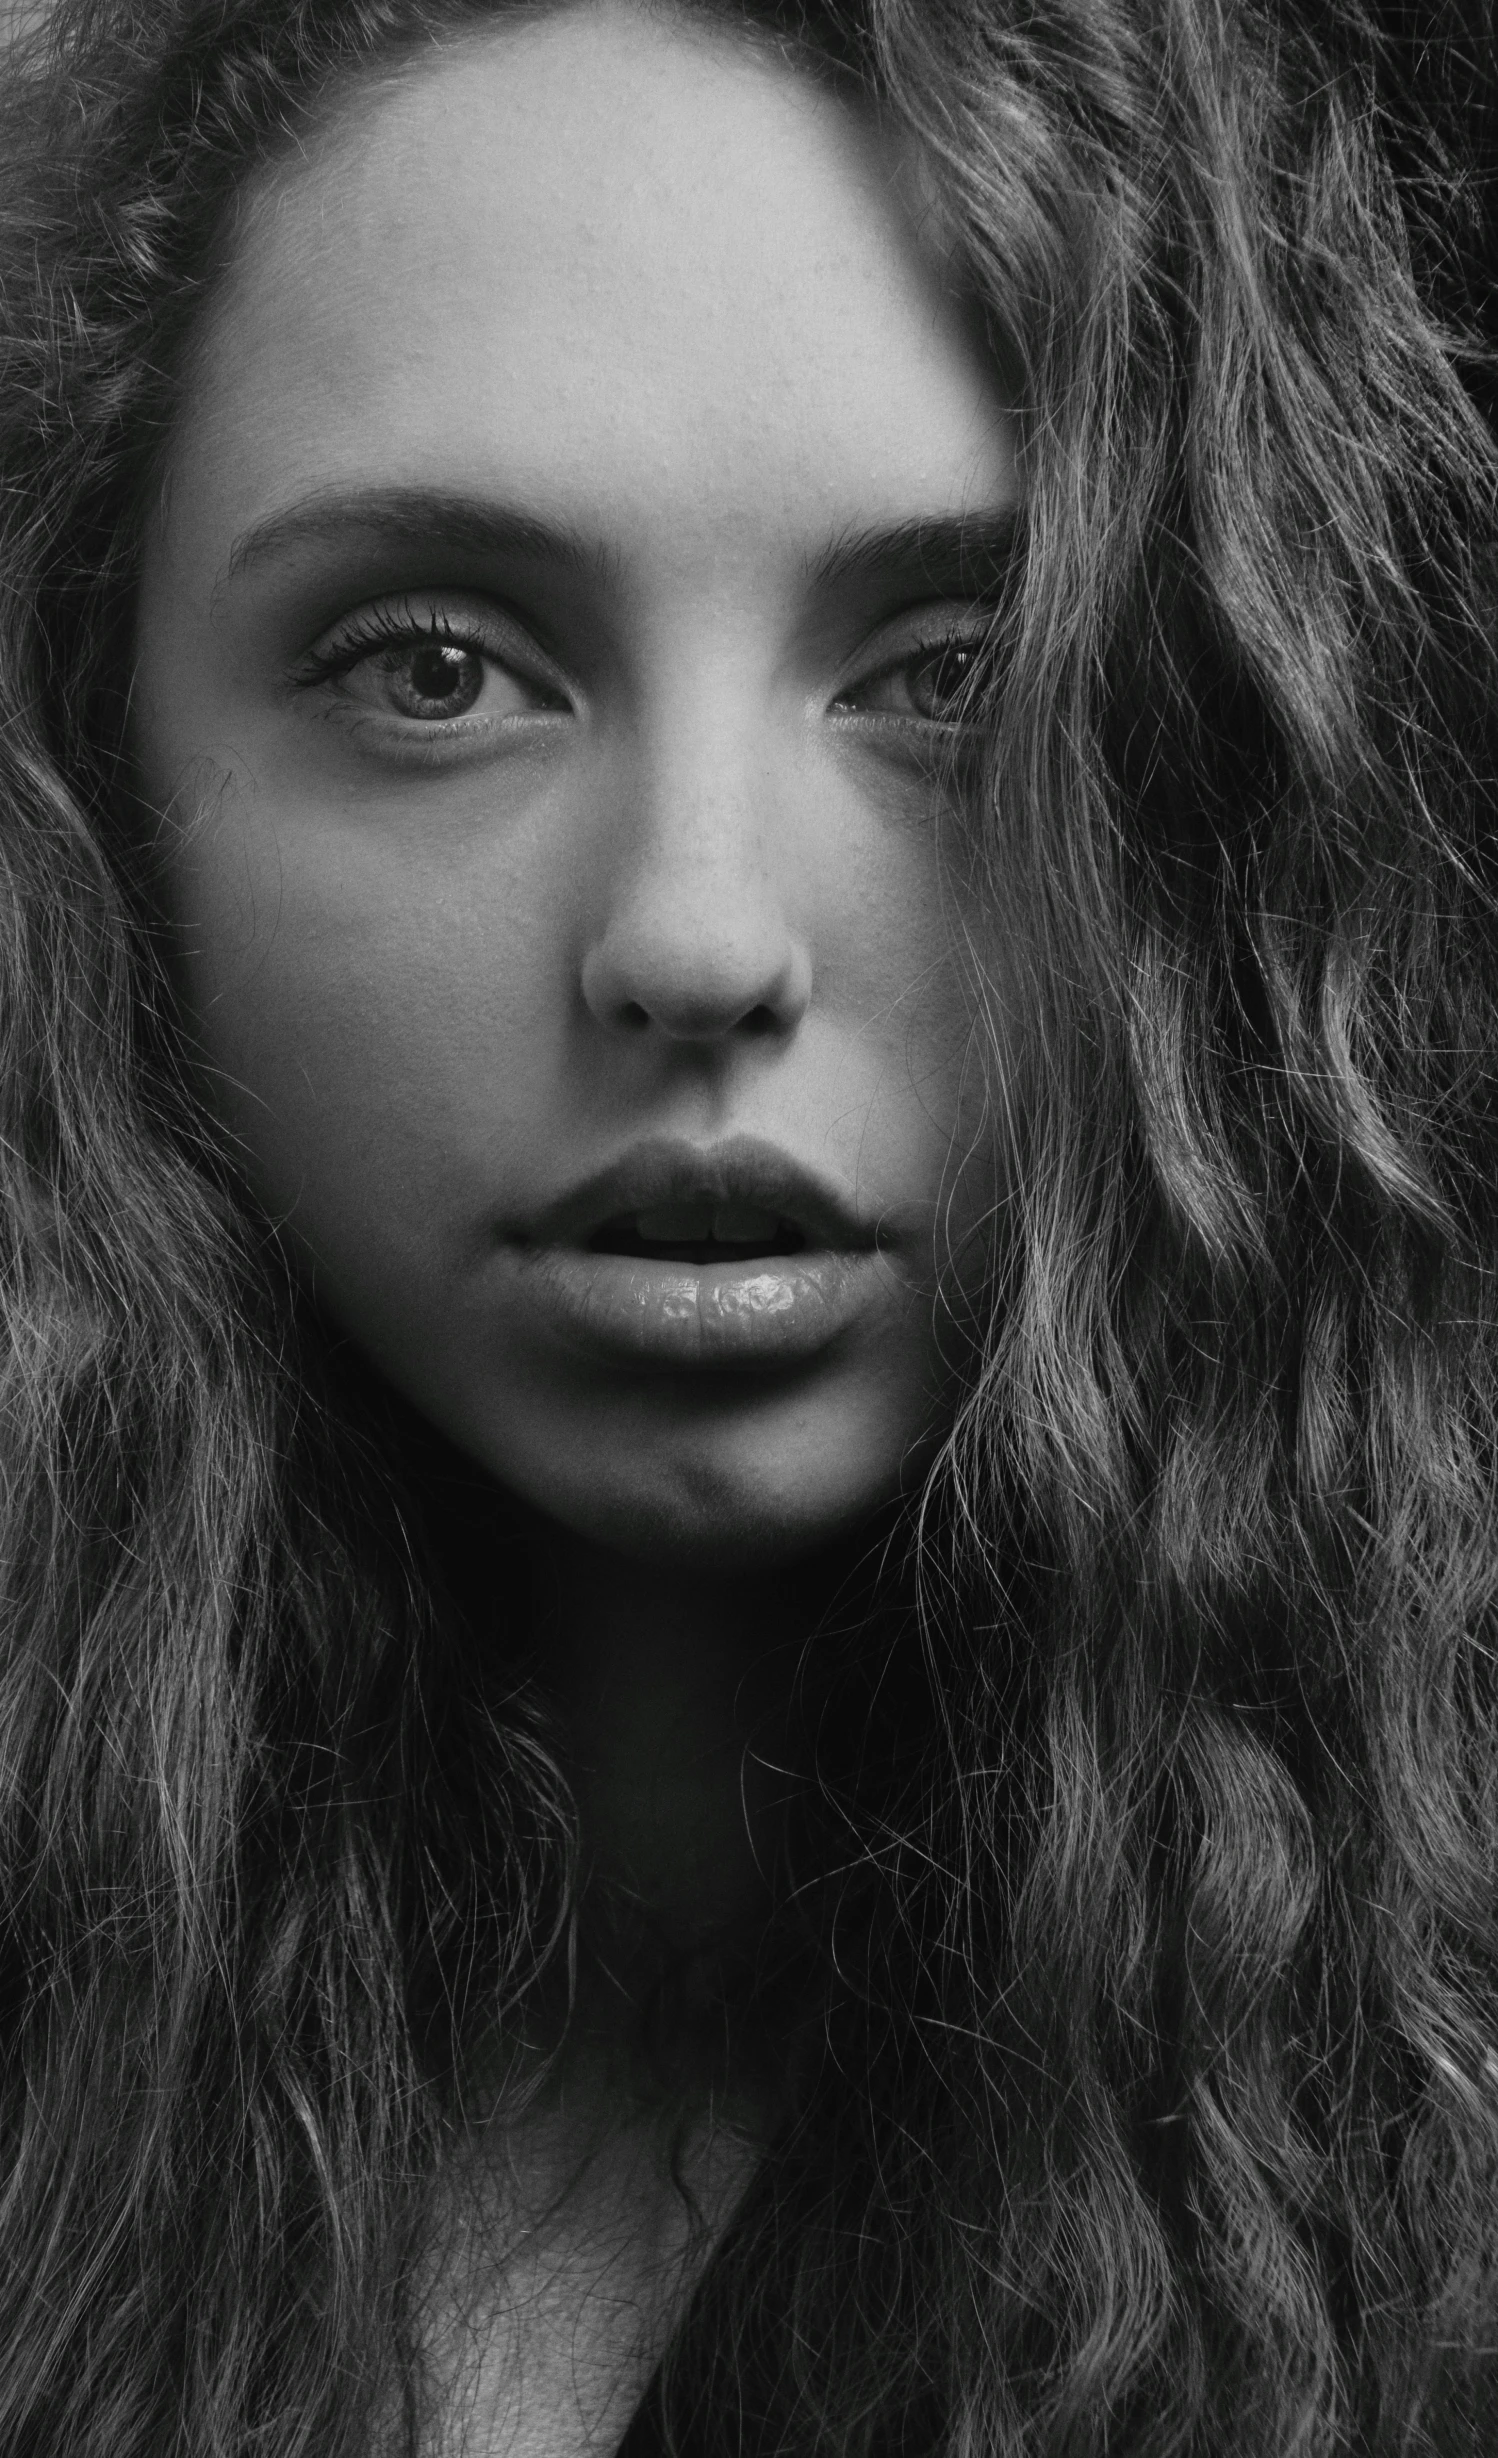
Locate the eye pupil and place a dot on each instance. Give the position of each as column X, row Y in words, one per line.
column 938, row 681
column 440, row 673
column 436, row 672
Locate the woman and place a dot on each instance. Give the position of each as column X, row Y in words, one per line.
column 748, row 1154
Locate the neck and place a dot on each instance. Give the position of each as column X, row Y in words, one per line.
column 673, row 1694
column 687, row 1732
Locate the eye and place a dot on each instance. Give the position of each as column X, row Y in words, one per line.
column 433, row 667
column 931, row 681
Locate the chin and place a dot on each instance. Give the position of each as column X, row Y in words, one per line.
column 716, row 1527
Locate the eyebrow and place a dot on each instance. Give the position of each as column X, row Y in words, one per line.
column 966, row 550
column 415, row 516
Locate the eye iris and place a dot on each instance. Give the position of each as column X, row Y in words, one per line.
column 439, row 677
column 940, row 680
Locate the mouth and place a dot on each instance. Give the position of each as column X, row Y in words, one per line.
column 741, row 1201
column 701, row 1233
column 680, row 1257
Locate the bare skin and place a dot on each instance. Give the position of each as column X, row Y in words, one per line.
column 588, row 492
column 561, row 2269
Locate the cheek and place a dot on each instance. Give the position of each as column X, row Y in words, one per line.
column 912, row 975
column 358, row 1011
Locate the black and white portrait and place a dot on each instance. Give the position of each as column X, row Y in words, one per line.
column 748, row 1229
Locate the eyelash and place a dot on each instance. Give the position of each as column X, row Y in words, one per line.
column 384, row 627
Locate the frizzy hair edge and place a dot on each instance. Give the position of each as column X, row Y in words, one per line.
column 1172, row 2121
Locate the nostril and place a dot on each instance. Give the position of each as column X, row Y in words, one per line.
column 699, row 993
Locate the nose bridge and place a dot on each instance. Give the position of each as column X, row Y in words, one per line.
column 699, row 936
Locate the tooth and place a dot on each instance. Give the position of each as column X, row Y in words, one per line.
column 675, row 1224
column 740, row 1224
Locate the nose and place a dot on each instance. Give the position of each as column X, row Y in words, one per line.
column 696, row 943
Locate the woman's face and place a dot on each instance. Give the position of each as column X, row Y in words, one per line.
column 585, row 508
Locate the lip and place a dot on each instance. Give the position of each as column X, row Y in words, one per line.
column 665, row 1171
column 763, row 1312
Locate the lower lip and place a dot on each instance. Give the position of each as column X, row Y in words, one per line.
column 777, row 1310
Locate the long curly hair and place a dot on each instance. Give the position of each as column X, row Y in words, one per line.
column 1149, row 2096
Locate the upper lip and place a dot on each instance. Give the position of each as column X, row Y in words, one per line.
column 667, row 1171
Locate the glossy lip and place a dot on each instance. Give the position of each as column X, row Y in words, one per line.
column 765, row 1312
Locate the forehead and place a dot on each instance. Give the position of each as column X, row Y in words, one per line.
column 593, row 258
